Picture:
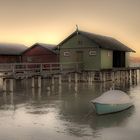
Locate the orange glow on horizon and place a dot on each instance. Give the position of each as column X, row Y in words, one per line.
column 51, row 21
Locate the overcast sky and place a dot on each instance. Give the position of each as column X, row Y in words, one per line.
column 50, row 21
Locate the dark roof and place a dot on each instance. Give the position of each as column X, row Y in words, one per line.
column 50, row 47
column 102, row 41
column 11, row 49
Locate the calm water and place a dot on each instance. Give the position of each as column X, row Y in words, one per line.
column 65, row 113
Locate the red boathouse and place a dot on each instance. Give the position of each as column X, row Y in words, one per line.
column 41, row 53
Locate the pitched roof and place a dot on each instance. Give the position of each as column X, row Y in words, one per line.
column 49, row 47
column 102, row 41
column 11, row 49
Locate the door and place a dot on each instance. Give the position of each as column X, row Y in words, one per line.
column 118, row 59
column 79, row 60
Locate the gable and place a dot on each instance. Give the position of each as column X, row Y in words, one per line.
column 93, row 40
column 78, row 41
column 38, row 50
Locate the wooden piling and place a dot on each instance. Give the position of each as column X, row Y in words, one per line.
column 33, row 82
column 52, row 79
column 39, row 81
column 11, row 85
column 76, row 78
column 60, row 79
column 69, row 78
column 4, row 84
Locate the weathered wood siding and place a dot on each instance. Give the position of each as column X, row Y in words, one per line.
column 106, row 59
column 80, row 44
column 127, row 59
column 39, row 55
column 10, row 59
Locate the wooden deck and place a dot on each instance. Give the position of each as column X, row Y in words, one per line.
column 32, row 69
column 28, row 70
column 68, row 72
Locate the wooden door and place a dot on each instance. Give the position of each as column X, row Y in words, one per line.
column 79, row 59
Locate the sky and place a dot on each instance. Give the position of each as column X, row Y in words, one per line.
column 51, row 21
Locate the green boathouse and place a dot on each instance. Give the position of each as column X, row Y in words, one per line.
column 93, row 52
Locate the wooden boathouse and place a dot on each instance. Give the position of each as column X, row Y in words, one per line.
column 81, row 57
column 11, row 53
column 94, row 52
column 41, row 53
column 99, row 56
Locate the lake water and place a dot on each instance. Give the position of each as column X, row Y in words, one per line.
column 59, row 113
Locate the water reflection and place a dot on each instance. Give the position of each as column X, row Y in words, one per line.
column 60, row 111
column 39, row 94
column 111, row 120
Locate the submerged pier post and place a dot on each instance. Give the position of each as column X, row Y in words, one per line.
column 139, row 74
column 83, row 77
column 52, row 79
column 69, row 78
column 33, row 82
column 39, row 81
column 136, row 76
column 4, row 84
column 89, row 78
column 60, row 79
column 76, row 78
column 132, row 76
column 11, row 85
column 103, row 77
column 113, row 76
column 129, row 77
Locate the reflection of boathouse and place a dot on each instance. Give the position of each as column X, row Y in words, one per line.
column 94, row 52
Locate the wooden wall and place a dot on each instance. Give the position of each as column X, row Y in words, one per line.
column 10, row 59
column 39, row 54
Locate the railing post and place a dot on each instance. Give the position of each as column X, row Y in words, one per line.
column 39, row 81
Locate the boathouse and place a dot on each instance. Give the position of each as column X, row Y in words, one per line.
column 94, row 52
column 11, row 53
column 41, row 53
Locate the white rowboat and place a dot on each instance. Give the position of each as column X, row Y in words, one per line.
column 112, row 101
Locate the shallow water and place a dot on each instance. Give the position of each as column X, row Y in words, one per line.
column 64, row 112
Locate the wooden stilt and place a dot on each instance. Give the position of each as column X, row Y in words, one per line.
column 11, row 85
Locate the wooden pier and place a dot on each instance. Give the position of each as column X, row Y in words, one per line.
column 70, row 72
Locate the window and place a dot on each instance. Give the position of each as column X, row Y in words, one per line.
column 29, row 59
column 67, row 54
column 92, row 53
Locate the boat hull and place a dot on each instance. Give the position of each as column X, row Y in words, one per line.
column 110, row 108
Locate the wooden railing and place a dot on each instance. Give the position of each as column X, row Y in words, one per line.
column 39, row 67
